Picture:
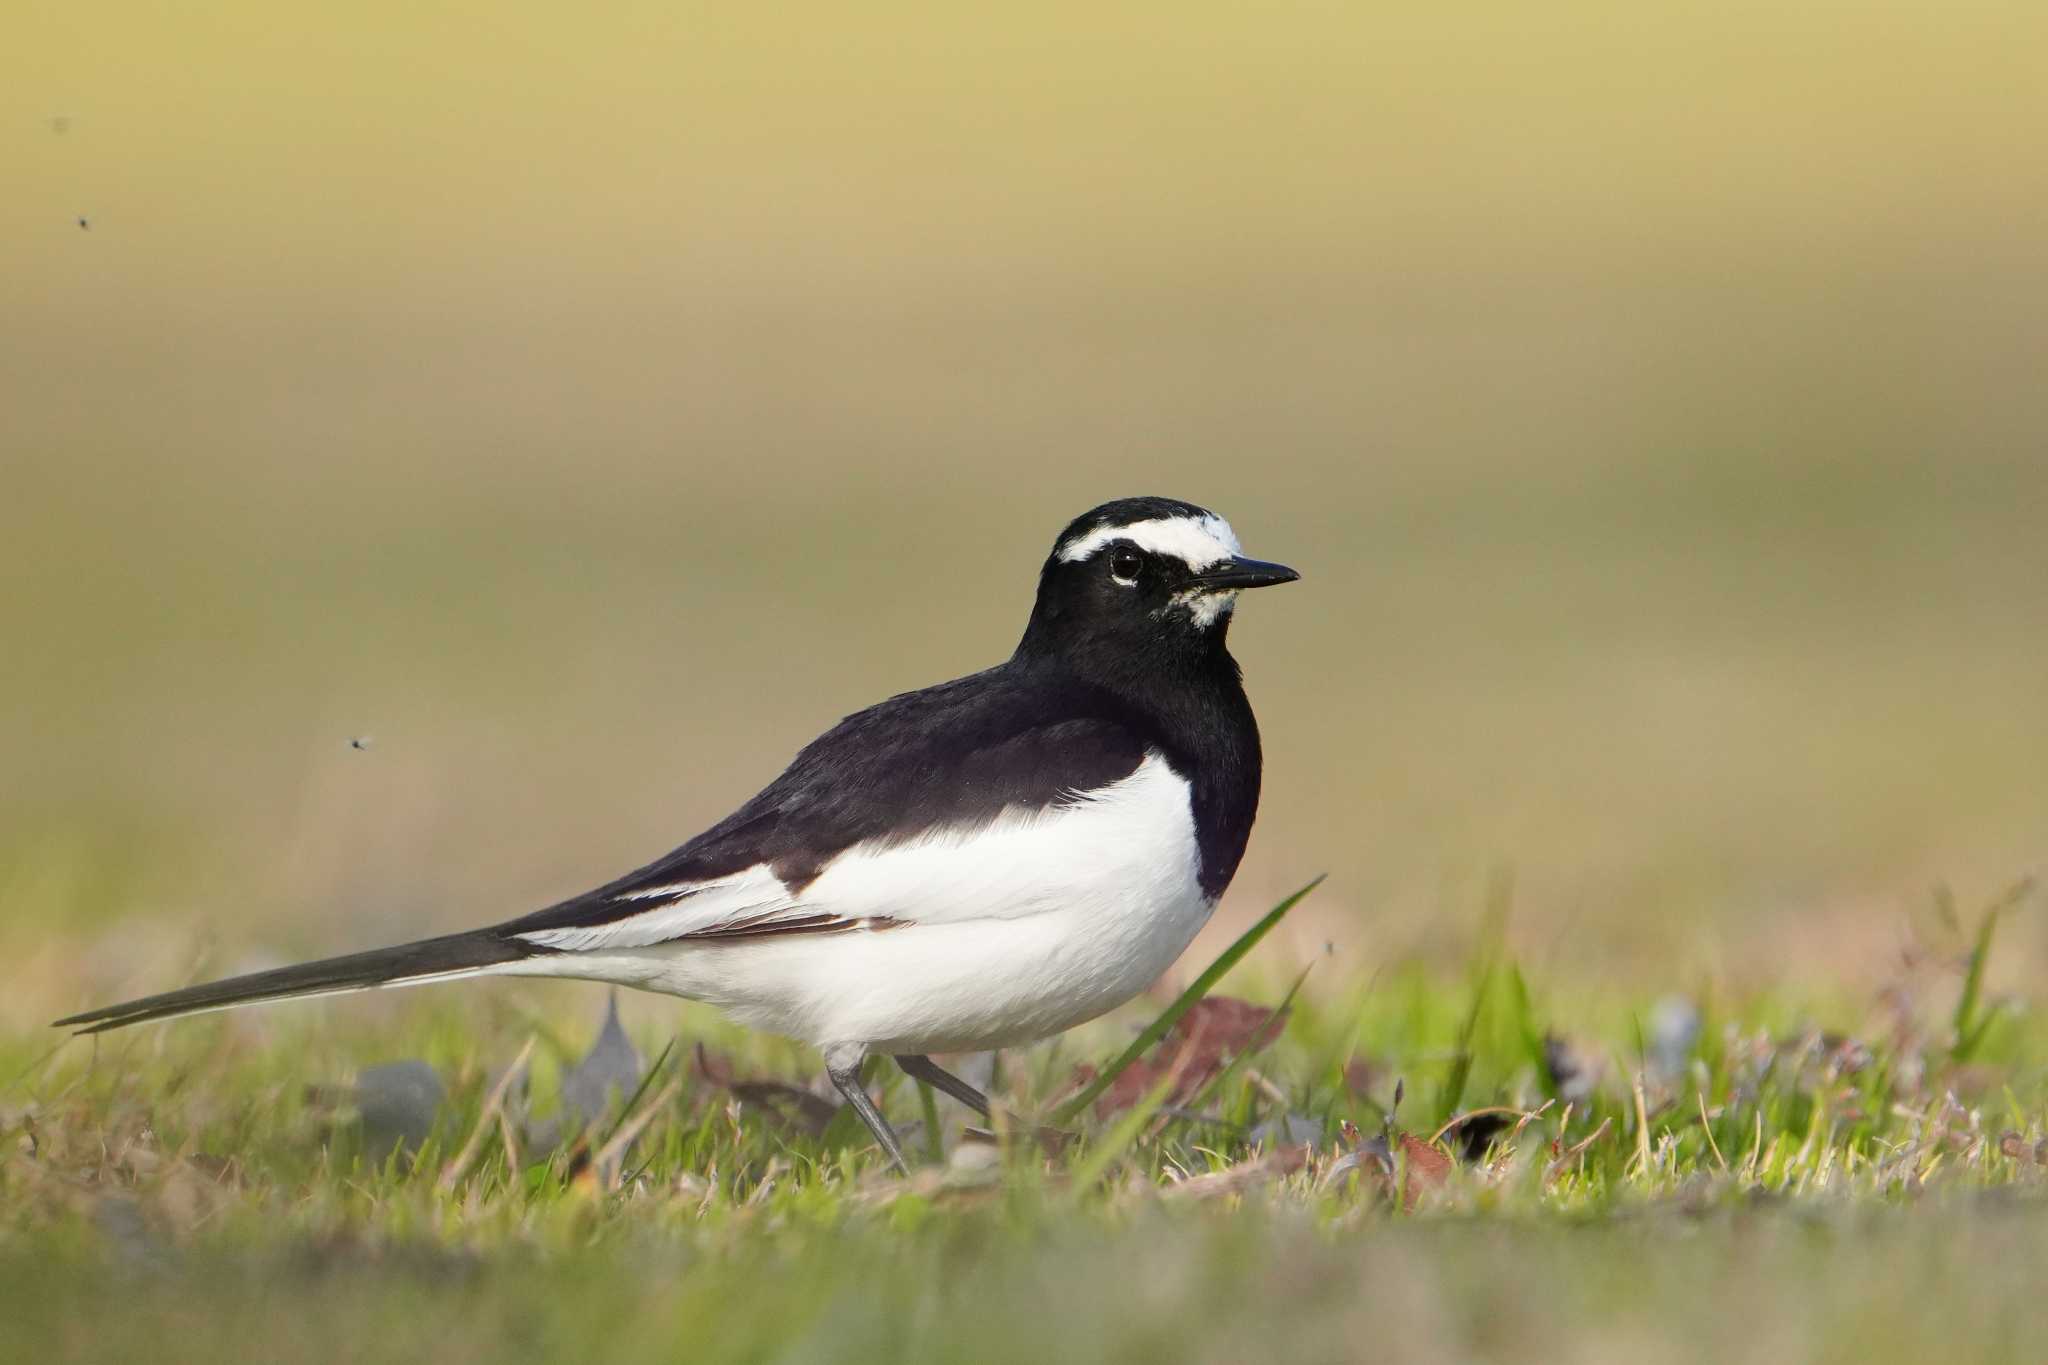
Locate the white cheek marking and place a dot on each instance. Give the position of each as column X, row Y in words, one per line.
column 1198, row 541
column 1206, row 607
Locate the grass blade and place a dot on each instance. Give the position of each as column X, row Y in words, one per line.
column 1486, row 956
column 1969, row 1027
column 934, row 1143
column 1222, row 1078
column 1125, row 1132
column 647, row 1079
column 1201, row 986
column 1525, row 1029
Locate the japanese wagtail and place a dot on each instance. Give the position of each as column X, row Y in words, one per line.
column 975, row 865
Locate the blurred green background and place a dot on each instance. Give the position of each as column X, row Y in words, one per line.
column 589, row 405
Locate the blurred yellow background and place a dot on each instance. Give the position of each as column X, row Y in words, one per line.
column 589, row 404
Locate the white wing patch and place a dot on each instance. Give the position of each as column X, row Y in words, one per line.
column 1198, row 541
column 752, row 898
column 1121, row 847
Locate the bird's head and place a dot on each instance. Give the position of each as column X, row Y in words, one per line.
column 1143, row 578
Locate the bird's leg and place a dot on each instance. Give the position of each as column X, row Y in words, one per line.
column 921, row 1068
column 842, row 1064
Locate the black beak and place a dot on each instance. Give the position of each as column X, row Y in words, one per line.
column 1233, row 574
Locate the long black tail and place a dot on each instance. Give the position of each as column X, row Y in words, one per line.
column 428, row 960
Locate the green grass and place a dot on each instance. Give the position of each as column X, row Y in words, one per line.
column 1812, row 1180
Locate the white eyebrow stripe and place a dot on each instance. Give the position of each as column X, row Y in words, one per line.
column 1200, row 541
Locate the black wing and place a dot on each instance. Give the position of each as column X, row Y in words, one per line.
column 958, row 754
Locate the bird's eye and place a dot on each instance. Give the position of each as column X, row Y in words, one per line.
column 1125, row 566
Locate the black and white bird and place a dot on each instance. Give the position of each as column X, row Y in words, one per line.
column 975, row 865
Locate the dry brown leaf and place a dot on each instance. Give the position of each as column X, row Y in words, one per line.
column 1197, row 1047
column 1272, row 1165
column 714, row 1068
column 1428, row 1167
column 790, row 1103
column 1422, row 1169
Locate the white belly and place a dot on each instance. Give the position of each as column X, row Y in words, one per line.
column 1030, row 926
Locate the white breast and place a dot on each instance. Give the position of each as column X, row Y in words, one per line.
column 1119, row 848
column 1027, row 926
